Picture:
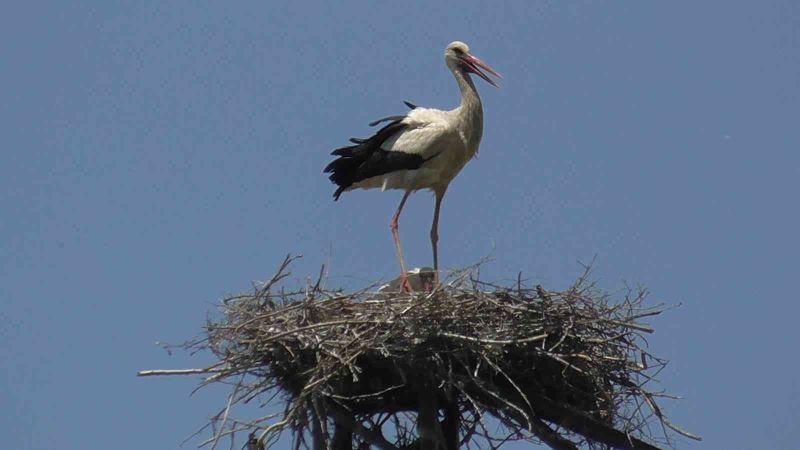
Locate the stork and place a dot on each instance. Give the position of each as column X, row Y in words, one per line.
column 424, row 149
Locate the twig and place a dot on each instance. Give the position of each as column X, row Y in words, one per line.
column 495, row 341
column 371, row 436
column 159, row 372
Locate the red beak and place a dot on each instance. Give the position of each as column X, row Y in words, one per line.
column 474, row 65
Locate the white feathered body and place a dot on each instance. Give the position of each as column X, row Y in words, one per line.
column 445, row 139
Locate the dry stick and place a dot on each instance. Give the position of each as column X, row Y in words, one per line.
column 495, row 341
column 279, row 275
column 657, row 411
column 506, row 402
column 156, row 372
column 277, row 426
column 478, row 413
column 585, row 425
column 221, row 431
column 317, row 325
column 371, row 436
column 551, row 437
column 469, row 430
column 572, row 420
column 317, row 285
column 364, row 396
column 635, row 326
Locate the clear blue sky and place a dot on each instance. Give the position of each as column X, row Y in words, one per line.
column 157, row 155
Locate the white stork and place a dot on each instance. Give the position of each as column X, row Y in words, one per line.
column 424, row 149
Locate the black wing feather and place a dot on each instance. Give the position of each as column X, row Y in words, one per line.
column 387, row 119
column 367, row 159
column 410, row 105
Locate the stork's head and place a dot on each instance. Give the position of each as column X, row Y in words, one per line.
column 458, row 57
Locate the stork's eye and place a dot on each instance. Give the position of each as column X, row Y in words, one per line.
column 458, row 51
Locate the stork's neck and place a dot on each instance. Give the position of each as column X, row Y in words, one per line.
column 470, row 112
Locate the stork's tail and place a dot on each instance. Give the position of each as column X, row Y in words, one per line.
column 343, row 170
column 366, row 158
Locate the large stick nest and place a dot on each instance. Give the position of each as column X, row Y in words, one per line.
column 567, row 368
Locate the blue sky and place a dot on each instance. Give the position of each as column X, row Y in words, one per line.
column 157, row 156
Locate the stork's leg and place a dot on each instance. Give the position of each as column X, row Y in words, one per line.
column 435, row 234
column 404, row 285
